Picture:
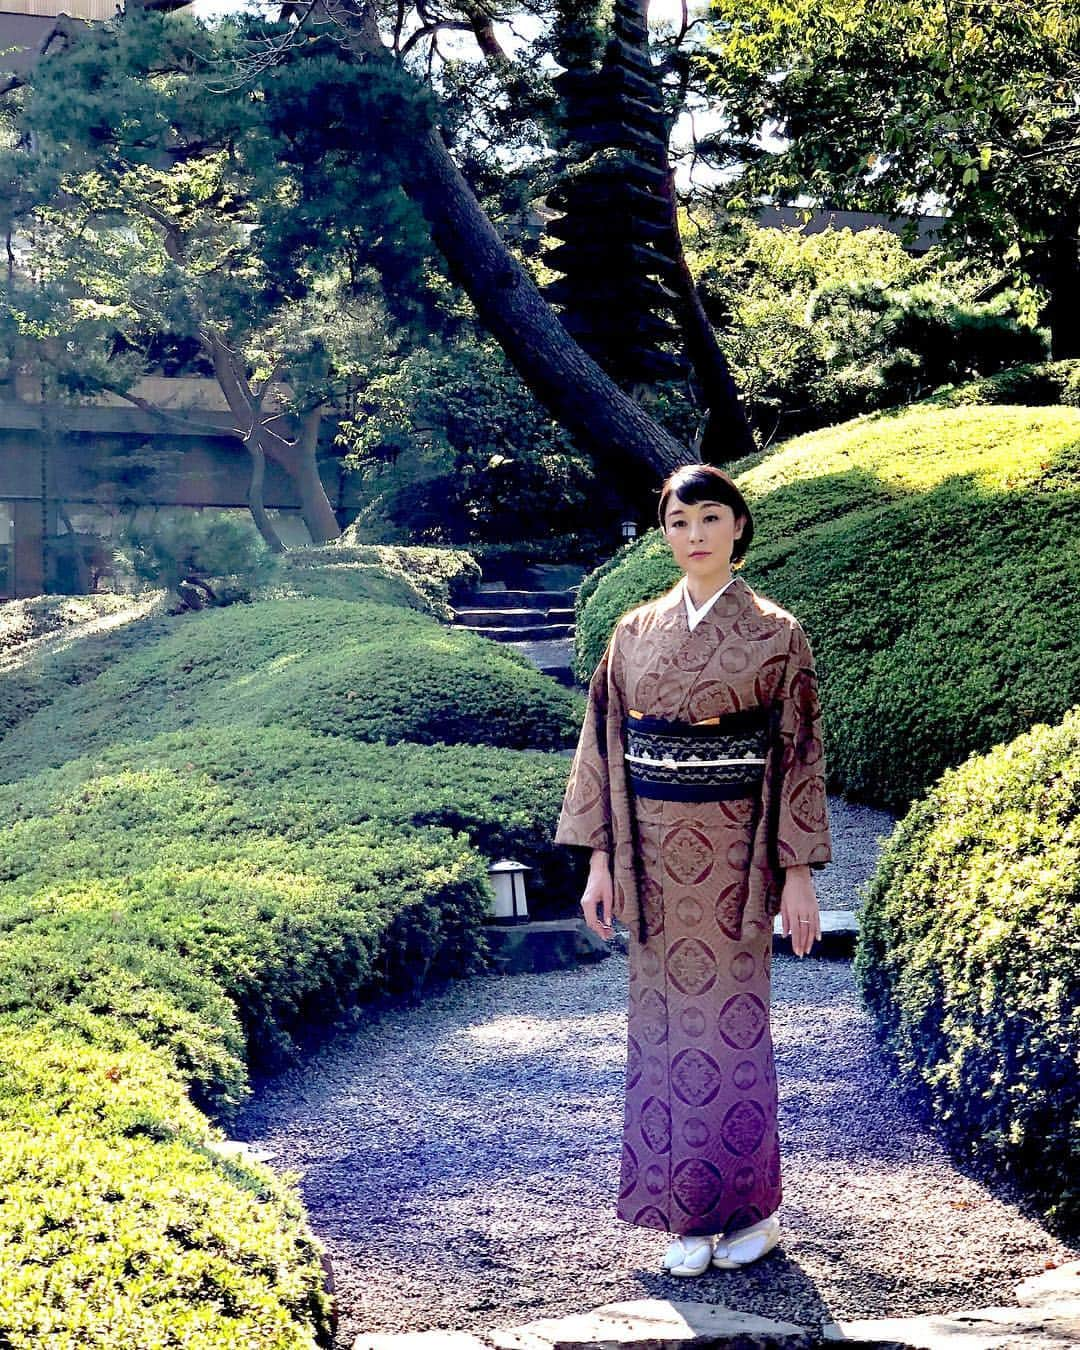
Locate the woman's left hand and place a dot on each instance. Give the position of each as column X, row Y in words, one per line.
column 799, row 913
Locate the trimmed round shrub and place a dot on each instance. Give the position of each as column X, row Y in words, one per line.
column 151, row 897
column 290, row 784
column 969, row 957
column 177, row 923
column 931, row 556
column 339, row 668
column 431, row 580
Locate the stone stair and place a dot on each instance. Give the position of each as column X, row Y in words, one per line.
column 518, row 616
column 538, row 620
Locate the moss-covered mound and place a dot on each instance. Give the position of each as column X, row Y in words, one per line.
column 932, row 557
column 431, row 580
column 334, row 667
column 969, row 956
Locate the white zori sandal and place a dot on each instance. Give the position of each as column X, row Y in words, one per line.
column 688, row 1256
column 746, row 1244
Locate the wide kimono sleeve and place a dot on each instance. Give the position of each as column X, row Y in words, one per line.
column 586, row 816
column 802, row 821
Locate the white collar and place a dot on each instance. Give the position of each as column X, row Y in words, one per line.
column 694, row 614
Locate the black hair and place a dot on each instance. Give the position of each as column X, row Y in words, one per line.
column 694, row 483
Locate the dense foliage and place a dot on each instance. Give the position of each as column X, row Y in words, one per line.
column 875, row 104
column 969, row 957
column 431, row 580
column 824, row 326
column 931, row 556
column 181, row 908
column 174, row 930
column 55, row 641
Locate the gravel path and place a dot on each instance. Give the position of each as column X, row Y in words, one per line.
column 459, row 1159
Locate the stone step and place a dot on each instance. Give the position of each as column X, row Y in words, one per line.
column 542, row 632
column 503, row 618
column 501, row 598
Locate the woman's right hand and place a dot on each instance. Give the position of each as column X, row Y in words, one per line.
column 598, row 896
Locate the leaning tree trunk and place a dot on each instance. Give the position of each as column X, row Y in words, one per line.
column 727, row 433
column 566, row 380
column 256, row 506
column 299, row 459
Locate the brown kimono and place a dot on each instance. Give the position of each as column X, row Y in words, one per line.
column 698, row 884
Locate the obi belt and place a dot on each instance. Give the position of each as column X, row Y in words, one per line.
column 714, row 760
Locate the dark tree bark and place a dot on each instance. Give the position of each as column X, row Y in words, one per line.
column 727, row 433
column 1061, row 276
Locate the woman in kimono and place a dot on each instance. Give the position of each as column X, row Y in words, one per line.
column 698, row 788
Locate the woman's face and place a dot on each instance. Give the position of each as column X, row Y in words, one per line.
column 702, row 536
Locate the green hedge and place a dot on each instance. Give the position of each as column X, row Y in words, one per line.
column 431, row 580
column 87, row 633
column 969, row 957
column 290, row 783
column 120, row 1226
column 931, row 556
column 339, row 668
column 219, row 918
column 33, row 673
column 1037, row 385
column 178, row 912
column 181, row 907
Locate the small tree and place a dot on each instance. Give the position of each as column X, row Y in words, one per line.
column 159, row 201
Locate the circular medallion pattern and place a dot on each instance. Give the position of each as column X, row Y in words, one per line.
column 656, row 1125
column 729, row 907
column 649, row 1217
column 652, row 906
column 738, row 855
column 745, row 1075
column 695, row 1132
column 651, row 1020
column 649, row 961
column 742, row 1183
column 742, row 1020
column 691, row 966
column 689, row 911
column 688, row 855
column 742, row 967
column 655, row 1178
column 628, row 1173
column 696, row 1185
column 695, row 1077
column 633, row 1063
column 744, row 1127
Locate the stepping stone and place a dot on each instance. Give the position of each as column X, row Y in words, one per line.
column 1049, row 1328
column 543, row 944
column 1058, row 1285
column 839, row 930
column 655, row 1324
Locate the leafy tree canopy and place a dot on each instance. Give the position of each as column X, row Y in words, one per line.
column 973, row 105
